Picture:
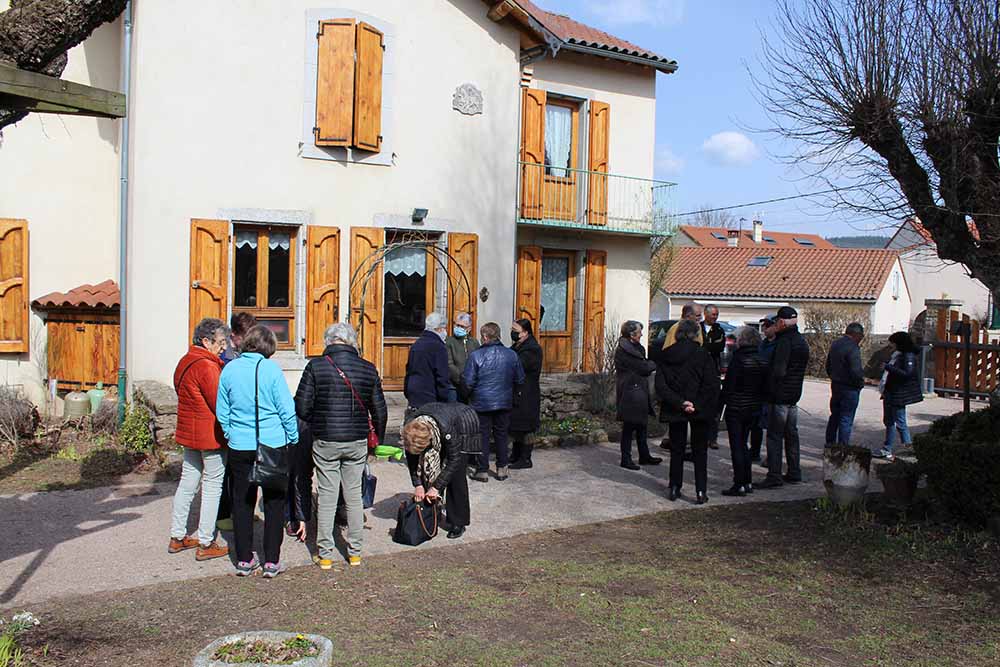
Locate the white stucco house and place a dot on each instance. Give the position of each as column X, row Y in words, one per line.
column 309, row 163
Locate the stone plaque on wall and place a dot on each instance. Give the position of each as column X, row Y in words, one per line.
column 467, row 100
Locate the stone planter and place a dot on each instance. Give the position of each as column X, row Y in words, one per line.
column 846, row 473
column 899, row 481
column 324, row 659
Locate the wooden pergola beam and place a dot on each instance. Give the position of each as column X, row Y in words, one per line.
column 39, row 93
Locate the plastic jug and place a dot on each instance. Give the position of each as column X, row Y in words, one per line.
column 76, row 404
column 96, row 396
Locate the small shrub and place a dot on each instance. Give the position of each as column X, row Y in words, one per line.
column 135, row 433
column 569, row 426
column 824, row 325
column 259, row 651
column 961, row 456
column 18, row 416
column 105, row 420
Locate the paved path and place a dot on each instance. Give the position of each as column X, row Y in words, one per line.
column 72, row 542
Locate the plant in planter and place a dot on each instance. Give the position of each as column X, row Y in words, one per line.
column 267, row 649
column 899, row 480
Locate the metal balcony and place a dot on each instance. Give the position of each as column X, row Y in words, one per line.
column 592, row 201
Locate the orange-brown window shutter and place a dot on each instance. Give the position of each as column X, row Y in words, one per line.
column 368, row 89
column 366, row 291
column 594, row 307
column 463, row 275
column 14, row 326
column 600, row 132
column 322, row 286
column 334, row 83
column 532, row 152
column 209, row 288
column 529, row 284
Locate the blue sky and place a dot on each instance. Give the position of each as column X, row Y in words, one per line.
column 707, row 113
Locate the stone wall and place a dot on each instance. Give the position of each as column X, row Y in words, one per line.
column 565, row 396
column 161, row 401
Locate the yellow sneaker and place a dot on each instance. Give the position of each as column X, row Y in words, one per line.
column 324, row 563
column 354, row 560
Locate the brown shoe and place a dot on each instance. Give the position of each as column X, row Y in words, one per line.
column 177, row 546
column 213, row 550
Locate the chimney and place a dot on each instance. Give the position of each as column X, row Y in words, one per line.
column 758, row 231
column 734, row 238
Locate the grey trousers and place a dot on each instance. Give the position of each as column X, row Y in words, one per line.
column 339, row 463
column 783, row 428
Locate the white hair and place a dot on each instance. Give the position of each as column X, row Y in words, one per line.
column 464, row 317
column 341, row 333
column 435, row 321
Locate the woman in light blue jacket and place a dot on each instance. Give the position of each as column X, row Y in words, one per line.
column 278, row 428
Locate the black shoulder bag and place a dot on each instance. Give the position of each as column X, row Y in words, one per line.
column 270, row 468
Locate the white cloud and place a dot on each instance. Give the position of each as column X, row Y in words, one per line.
column 635, row 12
column 730, row 149
column 668, row 163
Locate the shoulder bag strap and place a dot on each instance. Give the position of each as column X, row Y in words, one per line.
column 256, row 402
column 350, row 386
column 180, row 380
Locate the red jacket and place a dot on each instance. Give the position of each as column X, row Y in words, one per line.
column 196, row 381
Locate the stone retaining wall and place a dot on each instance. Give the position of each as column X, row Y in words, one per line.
column 161, row 401
column 565, row 396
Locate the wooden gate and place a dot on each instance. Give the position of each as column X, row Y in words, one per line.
column 949, row 358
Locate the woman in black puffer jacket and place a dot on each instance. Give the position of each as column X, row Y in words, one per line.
column 900, row 387
column 632, row 399
column 743, row 394
column 687, row 384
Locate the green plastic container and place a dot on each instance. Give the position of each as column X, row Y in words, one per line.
column 388, row 451
column 96, row 396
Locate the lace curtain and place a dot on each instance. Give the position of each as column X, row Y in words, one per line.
column 406, row 262
column 558, row 137
column 247, row 238
column 555, row 293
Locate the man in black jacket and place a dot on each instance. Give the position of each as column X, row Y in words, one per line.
column 847, row 379
column 337, row 395
column 427, row 365
column 788, row 372
column 714, row 342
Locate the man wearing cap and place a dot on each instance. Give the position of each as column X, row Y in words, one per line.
column 767, row 354
column 788, row 372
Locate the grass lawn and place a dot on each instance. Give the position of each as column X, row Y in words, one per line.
column 765, row 584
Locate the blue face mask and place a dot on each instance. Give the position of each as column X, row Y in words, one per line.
column 460, row 332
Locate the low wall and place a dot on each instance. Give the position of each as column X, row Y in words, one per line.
column 161, row 401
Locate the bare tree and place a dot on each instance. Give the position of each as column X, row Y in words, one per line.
column 36, row 34
column 706, row 217
column 901, row 99
column 661, row 254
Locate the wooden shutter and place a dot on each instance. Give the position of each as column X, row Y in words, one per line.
column 334, row 83
column 532, row 152
column 593, row 310
column 14, row 325
column 529, row 284
column 209, row 289
column 322, row 286
column 463, row 275
column 366, row 284
column 368, row 89
column 597, row 197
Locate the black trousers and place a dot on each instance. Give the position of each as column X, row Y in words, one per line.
column 456, row 500
column 243, row 501
column 639, row 430
column 520, row 449
column 226, row 499
column 739, row 424
column 699, row 447
column 495, row 424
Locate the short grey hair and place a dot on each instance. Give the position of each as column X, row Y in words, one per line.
column 747, row 337
column 435, row 321
column 630, row 327
column 855, row 329
column 464, row 317
column 341, row 333
column 207, row 328
column 711, row 307
column 688, row 330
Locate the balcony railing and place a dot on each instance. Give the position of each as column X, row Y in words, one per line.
column 593, row 200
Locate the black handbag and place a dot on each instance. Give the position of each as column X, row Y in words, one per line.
column 270, row 468
column 416, row 523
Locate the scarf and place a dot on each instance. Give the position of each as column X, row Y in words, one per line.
column 429, row 465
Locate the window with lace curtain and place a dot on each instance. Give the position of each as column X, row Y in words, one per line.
column 264, row 278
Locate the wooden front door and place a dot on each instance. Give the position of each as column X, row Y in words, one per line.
column 409, row 275
column 558, row 287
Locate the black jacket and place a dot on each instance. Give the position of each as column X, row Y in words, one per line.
column 526, row 416
column 788, row 367
column 714, row 340
column 686, row 372
column 632, row 371
column 745, row 386
column 491, row 373
column 843, row 364
column 324, row 401
column 459, row 427
column 426, row 371
column 902, row 387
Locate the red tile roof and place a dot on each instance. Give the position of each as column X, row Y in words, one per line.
column 703, row 237
column 792, row 273
column 101, row 296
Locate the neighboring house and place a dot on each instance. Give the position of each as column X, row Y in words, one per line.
column 749, row 283
column 372, row 161
column 756, row 236
column 930, row 277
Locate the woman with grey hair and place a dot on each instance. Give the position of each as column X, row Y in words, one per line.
column 340, row 397
column 632, row 398
column 196, row 381
column 687, row 383
column 743, row 393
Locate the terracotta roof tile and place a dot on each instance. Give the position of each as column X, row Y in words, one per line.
column 791, row 273
column 703, row 237
column 101, row 296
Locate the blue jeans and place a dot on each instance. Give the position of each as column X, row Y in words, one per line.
column 894, row 418
column 843, row 404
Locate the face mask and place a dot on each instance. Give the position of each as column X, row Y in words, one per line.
column 460, row 332
column 515, row 336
